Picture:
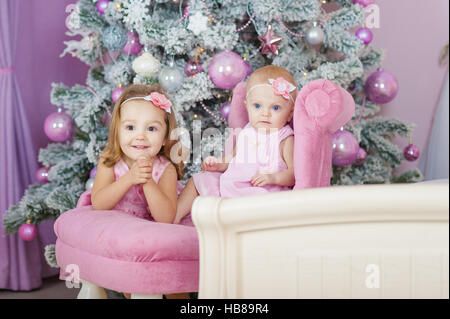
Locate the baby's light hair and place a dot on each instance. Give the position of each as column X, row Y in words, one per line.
column 112, row 152
column 262, row 76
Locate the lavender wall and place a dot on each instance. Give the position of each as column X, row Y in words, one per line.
column 40, row 42
column 413, row 34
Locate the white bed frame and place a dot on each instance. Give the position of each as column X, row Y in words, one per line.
column 370, row 241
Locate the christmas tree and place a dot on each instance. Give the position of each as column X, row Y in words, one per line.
column 176, row 43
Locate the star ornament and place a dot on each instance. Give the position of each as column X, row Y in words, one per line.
column 270, row 41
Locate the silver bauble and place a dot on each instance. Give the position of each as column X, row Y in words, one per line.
column 171, row 78
column 89, row 184
column 315, row 36
column 114, row 38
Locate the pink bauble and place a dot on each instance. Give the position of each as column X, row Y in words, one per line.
column 133, row 46
column 225, row 110
column 116, row 93
column 186, row 12
column 28, row 232
column 109, row 57
column 361, row 157
column 42, row 175
column 345, row 148
column 227, row 69
column 105, row 118
column 58, row 126
column 102, row 5
column 93, row 172
column 365, row 35
column 381, row 87
column 193, row 67
column 411, row 153
column 364, row 3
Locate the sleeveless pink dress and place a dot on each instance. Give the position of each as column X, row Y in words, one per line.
column 134, row 202
column 255, row 153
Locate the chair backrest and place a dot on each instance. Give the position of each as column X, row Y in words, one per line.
column 321, row 108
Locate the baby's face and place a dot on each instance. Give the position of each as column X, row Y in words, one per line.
column 266, row 110
column 142, row 130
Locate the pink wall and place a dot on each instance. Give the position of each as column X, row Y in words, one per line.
column 413, row 33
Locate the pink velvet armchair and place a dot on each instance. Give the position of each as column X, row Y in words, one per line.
column 113, row 250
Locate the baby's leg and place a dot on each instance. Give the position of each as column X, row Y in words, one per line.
column 185, row 201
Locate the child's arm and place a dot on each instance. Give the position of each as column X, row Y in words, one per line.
column 284, row 178
column 162, row 197
column 214, row 164
column 106, row 192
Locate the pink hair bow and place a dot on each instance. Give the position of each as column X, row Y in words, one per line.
column 158, row 99
column 282, row 87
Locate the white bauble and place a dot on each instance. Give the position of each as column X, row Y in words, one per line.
column 146, row 65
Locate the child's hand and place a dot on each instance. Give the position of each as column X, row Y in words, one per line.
column 262, row 179
column 141, row 171
column 211, row 164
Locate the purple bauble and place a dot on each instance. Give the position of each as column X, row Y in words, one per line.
column 42, row 175
column 28, row 232
column 58, row 127
column 361, row 157
column 227, row 69
column 186, row 12
column 193, row 67
column 225, row 110
column 133, row 46
column 381, row 87
column 102, row 5
column 364, row 3
column 116, row 93
column 365, row 35
column 93, row 172
column 411, row 153
column 105, row 118
column 345, row 148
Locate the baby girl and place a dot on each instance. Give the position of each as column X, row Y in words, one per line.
column 262, row 160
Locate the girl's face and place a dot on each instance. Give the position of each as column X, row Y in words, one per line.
column 142, row 130
column 266, row 110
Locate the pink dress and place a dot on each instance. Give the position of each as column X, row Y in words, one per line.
column 134, row 202
column 255, row 153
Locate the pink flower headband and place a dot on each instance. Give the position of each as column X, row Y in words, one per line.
column 160, row 100
column 280, row 86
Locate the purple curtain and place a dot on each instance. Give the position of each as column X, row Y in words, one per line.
column 21, row 263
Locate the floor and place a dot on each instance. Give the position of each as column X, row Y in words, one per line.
column 52, row 288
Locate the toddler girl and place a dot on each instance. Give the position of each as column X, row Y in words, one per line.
column 262, row 160
column 135, row 173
